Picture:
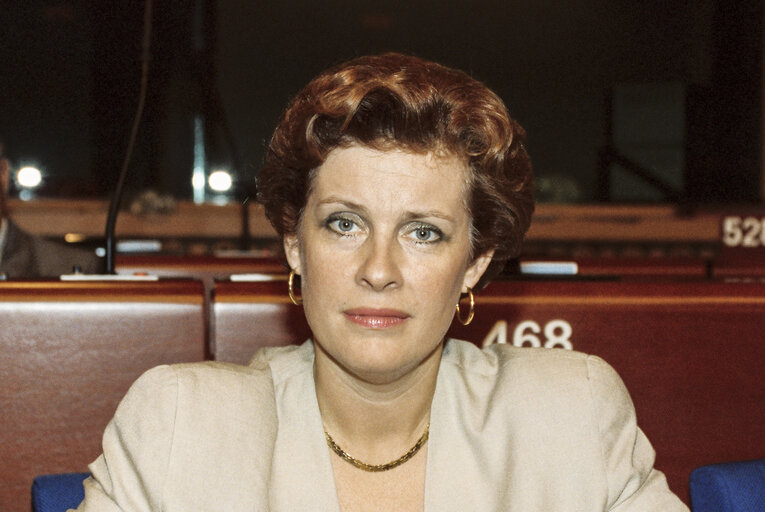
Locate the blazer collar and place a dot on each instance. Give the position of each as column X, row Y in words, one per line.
column 302, row 477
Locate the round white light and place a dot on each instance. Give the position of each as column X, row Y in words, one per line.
column 220, row 181
column 29, row 177
column 198, row 181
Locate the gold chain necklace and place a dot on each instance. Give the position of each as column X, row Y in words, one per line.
column 377, row 467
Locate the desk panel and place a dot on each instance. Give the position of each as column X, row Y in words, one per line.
column 70, row 352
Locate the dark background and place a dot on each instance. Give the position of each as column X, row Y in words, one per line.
column 69, row 82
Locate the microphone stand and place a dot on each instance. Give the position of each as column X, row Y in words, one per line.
column 114, row 205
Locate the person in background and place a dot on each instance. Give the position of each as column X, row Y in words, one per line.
column 399, row 187
column 24, row 255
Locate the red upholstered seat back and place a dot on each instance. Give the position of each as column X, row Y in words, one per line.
column 70, row 352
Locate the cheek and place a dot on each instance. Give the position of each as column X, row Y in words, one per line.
column 324, row 274
column 438, row 284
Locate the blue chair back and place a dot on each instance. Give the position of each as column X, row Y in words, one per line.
column 729, row 487
column 57, row 493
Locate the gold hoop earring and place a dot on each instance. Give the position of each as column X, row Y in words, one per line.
column 471, row 313
column 296, row 301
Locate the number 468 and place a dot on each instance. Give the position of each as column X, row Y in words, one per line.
column 557, row 333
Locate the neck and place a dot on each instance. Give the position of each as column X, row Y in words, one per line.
column 375, row 421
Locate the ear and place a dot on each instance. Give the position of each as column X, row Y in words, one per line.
column 292, row 252
column 476, row 269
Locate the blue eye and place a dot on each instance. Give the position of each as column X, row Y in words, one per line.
column 342, row 225
column 426, row 234
column 423, row 234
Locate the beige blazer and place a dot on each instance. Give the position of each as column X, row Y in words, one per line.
column 511, row 430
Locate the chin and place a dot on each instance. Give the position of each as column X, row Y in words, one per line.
column 379, row 374
column 382, row 363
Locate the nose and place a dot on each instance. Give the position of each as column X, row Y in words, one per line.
column 380, row 267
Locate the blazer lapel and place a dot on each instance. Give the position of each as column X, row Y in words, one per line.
column 302, row 477
column 461, row 463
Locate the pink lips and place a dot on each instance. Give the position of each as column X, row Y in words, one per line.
column 376, row 318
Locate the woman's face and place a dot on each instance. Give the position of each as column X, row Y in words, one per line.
column 383, row 251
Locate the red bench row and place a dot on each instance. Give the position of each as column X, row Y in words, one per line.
column 691, row 354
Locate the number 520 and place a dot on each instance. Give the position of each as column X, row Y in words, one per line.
column 743, row 232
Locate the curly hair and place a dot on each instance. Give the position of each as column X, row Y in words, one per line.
column 404, row 102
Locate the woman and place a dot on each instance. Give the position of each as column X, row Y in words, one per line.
column 397, row 186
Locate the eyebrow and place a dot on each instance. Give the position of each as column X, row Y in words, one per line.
column 409, row 215
column 348, row 204
column 429, row 213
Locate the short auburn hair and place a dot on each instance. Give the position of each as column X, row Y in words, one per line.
column 398, row 101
